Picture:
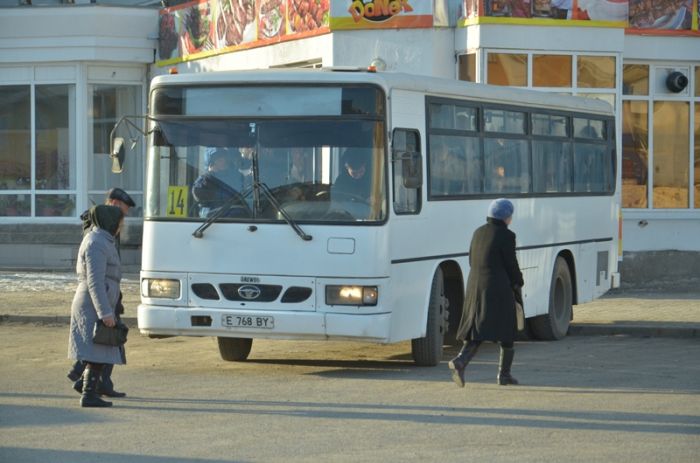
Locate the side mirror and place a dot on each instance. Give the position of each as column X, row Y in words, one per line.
column 117, row 155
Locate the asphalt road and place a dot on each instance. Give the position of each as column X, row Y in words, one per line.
column 583, row 399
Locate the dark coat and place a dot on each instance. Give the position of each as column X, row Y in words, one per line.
column 489, row 304
column 357, row 188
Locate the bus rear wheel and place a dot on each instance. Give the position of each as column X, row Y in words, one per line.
column 555, row 323
column 427, row 351
column 234, row 349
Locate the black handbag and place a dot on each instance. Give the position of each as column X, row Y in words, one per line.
column 110, row 336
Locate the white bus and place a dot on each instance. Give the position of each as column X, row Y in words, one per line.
column 290, row 255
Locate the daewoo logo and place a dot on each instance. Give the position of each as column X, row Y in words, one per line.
column 378, row 10
column 249, row 292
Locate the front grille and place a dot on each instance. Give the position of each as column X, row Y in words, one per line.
column 205, row 291
column 296, row 294
column 267, row 293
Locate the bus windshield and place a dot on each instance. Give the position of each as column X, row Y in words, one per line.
column 318, row 168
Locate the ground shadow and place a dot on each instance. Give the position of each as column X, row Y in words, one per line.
column 15, row 454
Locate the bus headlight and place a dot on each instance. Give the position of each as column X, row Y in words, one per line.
column 166, row 289
column 351, row 295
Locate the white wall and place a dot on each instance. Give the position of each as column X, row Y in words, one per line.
column 641, row 47
column 657, row 232
column 78, row 33
column 414, row 51
column 548, row 39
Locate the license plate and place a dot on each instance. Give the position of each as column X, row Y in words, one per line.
column 248, row 321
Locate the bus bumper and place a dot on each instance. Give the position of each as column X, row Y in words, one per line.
column 181, row 321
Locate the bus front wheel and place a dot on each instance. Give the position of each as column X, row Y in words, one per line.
column 555, row 323
column 427, row 351
column 234, row 349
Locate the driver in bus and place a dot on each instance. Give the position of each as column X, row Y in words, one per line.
column 214, row 188
column 354, row 182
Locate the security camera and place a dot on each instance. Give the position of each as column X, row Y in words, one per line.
column 676, row 82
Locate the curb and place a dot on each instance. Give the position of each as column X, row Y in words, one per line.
column 52, row 320
column 637, row 331
column 575, row 329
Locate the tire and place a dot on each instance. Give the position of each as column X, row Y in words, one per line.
column 555, row 323
column 427, row 351
column 234, row 349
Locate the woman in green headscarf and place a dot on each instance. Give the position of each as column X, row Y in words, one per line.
column 99, row 274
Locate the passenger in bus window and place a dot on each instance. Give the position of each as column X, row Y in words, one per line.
column 493, row 287
column 300, row 165
column 215, row 187
column 272, row 164
column 354, row 180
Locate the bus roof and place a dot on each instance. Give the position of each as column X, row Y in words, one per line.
column 435, row 86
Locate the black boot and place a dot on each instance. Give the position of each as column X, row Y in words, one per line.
column 504, row 364
column 90, row 397
column 459, row 363
column 106, row 386
column 76, row 373
column 78, row 386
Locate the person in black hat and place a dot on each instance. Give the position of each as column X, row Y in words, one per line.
column 354, row 180
column 216, row 186
column 121, row 199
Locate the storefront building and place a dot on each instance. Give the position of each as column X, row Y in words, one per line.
column 66, row 73
column 641, row 57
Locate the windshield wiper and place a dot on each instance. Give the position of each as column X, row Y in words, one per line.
column 270, row 197
column 199, row 232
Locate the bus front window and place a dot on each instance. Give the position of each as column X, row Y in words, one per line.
column 318, row 170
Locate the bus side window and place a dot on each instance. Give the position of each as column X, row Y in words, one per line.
column 591, row 169
column 406, row 159
column 507, row 166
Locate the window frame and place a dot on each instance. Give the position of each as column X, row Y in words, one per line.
column 608, row 141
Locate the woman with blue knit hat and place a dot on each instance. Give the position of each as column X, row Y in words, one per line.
column 489, row 304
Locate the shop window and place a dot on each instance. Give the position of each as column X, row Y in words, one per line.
column 55, row 138
column 507, row 69
column 696, row 163
column 551, row 71
column 635, row 153
column 635, row 79
column 671, row 146
column 109, row 104
column 53, row 157
column 596, row 71
column 467, row 67
column 16, row 141
column 55, row 149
